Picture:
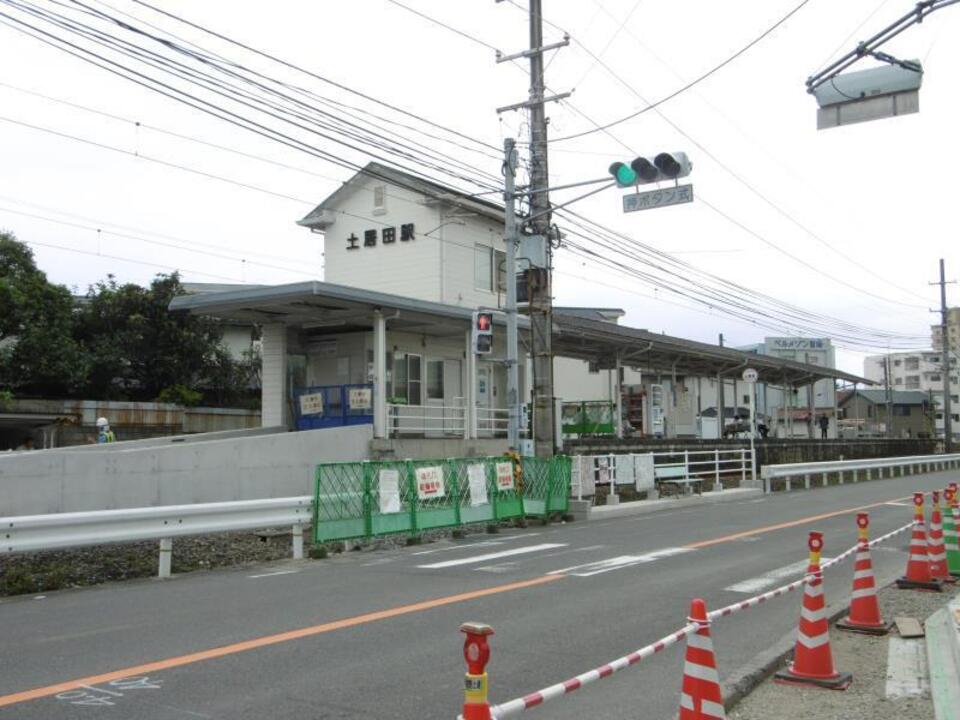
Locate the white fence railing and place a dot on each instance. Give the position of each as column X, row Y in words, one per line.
column 426, row 420
column 644, row 471
column 894, row 466
column 101, row 527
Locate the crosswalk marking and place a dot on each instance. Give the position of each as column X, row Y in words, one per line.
column 755, row 585
column 492, row 556
column 618, row 563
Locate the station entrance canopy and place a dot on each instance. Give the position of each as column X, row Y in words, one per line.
column 601, row 342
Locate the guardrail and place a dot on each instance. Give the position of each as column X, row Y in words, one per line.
column 101, row 527
column 426, row 420
column 896, row 466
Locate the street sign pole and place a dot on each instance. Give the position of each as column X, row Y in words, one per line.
column 750, row 377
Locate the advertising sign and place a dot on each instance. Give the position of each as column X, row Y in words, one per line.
column 430, row 483
column 504, row 476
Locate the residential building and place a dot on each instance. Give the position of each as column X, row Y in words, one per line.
column 922, row 371
column 875, row 413
column 953, row 331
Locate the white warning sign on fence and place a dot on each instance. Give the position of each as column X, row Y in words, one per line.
column 389, row 491
column 361, row 398
column 311, row 404
column 504, row 476
column 430, row 483
column 477, row 475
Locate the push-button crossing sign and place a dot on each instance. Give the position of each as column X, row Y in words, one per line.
column 678, row 195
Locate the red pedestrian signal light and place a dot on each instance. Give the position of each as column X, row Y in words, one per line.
column 482, row 332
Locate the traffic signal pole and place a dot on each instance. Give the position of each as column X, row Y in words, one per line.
column 511, row 239
column 539, row 286
column 945, row 355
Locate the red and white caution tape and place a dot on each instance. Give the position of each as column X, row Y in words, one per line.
column 575, row 683
column 518, row 705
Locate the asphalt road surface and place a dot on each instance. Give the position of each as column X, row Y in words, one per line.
column 374, row 634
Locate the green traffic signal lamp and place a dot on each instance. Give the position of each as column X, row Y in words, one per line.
column 624, row 174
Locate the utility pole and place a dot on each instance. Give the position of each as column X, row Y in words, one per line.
column 888, row 395
column 540, row 285
column 945, row 355
column 511, row 238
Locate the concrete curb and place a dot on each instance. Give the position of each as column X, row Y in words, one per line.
column 645, row 507
column 943, row 656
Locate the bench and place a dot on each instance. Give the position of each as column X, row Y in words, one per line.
column 672, row 479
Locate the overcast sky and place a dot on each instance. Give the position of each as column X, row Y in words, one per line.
column 879, row 193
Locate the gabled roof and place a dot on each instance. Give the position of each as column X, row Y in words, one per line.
column 899, row 397
column 319, row 217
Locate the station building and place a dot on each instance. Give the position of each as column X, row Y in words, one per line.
column 385, row 338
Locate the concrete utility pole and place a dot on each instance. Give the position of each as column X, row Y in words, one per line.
column 511, row 238
column 945, row 354
column 539, row 284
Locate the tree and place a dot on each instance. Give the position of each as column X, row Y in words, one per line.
column 38, row 355
column 139, row 349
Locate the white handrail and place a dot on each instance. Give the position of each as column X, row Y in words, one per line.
column 790, row 470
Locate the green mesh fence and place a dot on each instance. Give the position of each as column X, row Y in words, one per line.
column 340, row 508
column 379, row 498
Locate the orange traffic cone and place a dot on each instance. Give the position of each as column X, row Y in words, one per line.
column 813, row 659
column 864, row 609
column 937, row 549
column 918, row 566
column 700, row 697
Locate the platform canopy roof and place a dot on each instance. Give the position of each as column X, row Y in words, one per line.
column 326, row 308
column 600, row 342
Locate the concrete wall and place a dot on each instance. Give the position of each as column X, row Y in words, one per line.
column 248, row 468
column 431, row 448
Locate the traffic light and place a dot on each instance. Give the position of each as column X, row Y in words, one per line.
column 482, row 332
column 645, row 170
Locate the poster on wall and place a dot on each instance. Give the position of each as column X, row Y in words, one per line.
column 430, row 483
column 311, row 404
column 504, row 476
column 361, row 398
column 389, row 491
column 477, row 475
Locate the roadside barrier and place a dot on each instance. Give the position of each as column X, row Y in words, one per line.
column 813, row 658
column 370, row 499
column 700, row 694
column 786, row 475
column 864, row 614
column 918, row 575
column 938, row 553
column 813, row 662
column 950, row 536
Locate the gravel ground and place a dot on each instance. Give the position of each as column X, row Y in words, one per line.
column 38, row 572
column 863, row 655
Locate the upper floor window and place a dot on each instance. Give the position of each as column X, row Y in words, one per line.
column 911, row 363
column 489, row 269
column 379, row 199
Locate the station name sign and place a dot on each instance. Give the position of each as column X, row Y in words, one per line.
column 386, row 235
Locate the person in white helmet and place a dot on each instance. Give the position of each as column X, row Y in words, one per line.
column 105, row 434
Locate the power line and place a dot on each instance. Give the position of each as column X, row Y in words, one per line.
column 696, row 81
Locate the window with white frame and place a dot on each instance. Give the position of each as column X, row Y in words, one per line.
column 434, row 379
column 489, row 269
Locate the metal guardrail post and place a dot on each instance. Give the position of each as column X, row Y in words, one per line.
column 717, row 485
column 298, row 542
column 166, row 556
column 806, row 481
column 823, row 479
column 743, row 467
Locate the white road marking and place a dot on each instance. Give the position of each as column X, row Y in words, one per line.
column 907, row 674
column 485, row 543
column 273, row 574
column 618, row 563
column 754, row 585
column 378, row 561
column 492, row 556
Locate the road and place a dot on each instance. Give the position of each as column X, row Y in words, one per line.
column 374, row 634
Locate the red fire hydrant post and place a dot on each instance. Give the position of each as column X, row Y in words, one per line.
column 476, row 652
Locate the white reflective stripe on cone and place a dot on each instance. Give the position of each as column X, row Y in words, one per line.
column 701, row 672
column 813, row 642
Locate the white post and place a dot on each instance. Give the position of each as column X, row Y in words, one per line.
column 823, row 479
column 273, row 383
column 717, row 485
column 743, row 467
column 166, row 555
column 806, row 482
column 753, row 432
column 470, row 418
column 618, row 399
column 380, row 428
column 298, row 542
